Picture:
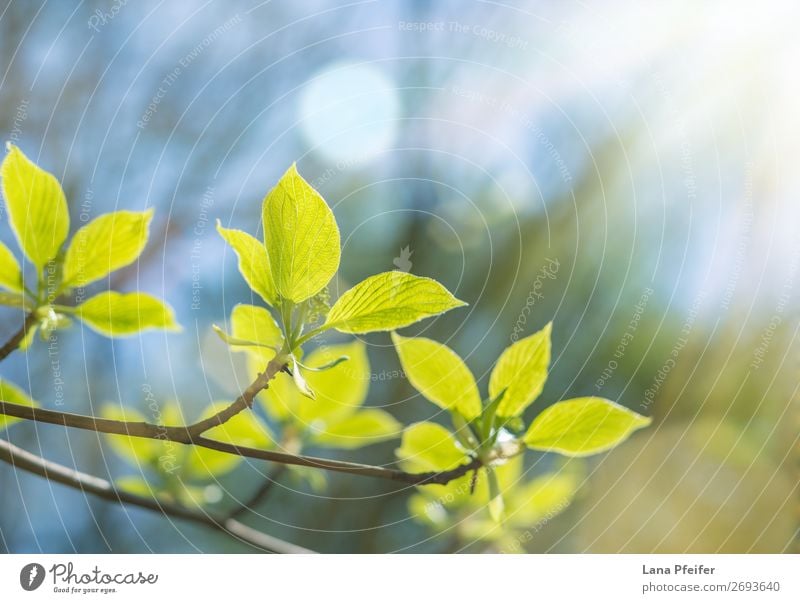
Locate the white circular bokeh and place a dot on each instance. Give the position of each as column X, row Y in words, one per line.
column 349, row 112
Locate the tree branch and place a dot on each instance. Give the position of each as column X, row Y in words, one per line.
column 182, row 435
column 14, row 341
column 104, row 489
column 245, row 400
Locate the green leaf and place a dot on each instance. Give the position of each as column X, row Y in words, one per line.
column 300, row 381
column 521, row 370
column 362, row 428
column 429, row 447
column 10, row 272
column 340, row 390
column 281, row 397
column 15, row 300
column 389, row 301
column 439, row 374
column 325, row 367
column 138, row 452
column 13, row 394
column 301, row 237
column 583, row 426
column 118, row 314
column 243, row 429
column 135, row 485
column 543, row 497
column 37, row 208
column 254, row 329
column 253, row 262
column 104, row 245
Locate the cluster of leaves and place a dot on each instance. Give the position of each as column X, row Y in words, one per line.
column 291, row 270
column 317, row 399
column 39, row 217
column 493, row 431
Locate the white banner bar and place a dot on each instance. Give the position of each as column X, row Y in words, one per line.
column 400, row 578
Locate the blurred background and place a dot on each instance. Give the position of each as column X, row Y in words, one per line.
column 624, row 169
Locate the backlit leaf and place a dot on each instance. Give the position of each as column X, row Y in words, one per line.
column 135, row 485
column 340, row 390
column 104, row 245
column 521, row 371
column 253, row 261
column 243, row 429
column 138, row 452
column 362, row 428
column 301, row 237
column 439, row 374
column 10, row 273
column 583, row 426
column 36, row 205
column 542, row 498
column 389, row 301
column 429, row 447
column 118, row 314
column 254, row 330
column 13, row 394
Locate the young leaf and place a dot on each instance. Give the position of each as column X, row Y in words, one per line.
column 521, row 370
column 253, row 262
column 10, row 273
column 37, row 208
column 340, row 390
column 135, row 484
column 429, row 447
column 389, row 301
column 300, row 381
column 439, row 374
column 15, row 300
column 301, row 237
column 104, row 245
column 582, row 426
column 242, row 430
column 362, row 428
column 118, row 314
column 138, row 452
column 255, row 329
column 544, row 496
column 11, row 393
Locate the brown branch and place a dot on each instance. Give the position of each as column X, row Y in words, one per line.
column 182, row 435
column 14, row 341
column 245, row 400
column 104, row 489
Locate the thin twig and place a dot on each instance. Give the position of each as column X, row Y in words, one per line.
column 182, row 435
column 14, row 341
column 245, row 400
column 104, row 489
